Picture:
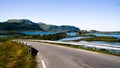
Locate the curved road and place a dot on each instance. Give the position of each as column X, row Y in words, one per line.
column 63, row 57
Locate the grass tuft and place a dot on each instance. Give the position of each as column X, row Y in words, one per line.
column 15, row 55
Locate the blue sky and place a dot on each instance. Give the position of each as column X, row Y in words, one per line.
column 103, row 15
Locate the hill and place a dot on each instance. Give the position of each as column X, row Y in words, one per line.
column 19, row 25
column 27, row 25
column 55, row 28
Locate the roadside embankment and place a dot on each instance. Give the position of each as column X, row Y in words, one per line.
column 16, row 55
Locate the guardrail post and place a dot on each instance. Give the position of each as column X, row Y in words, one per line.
column 29, row 51
column 94, row 48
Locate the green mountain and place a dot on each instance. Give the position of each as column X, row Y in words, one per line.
column 27, row 25
column 19, row 25
column 55, row 28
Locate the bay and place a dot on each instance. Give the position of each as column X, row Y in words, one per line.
column 111, row 35
column 39, row 33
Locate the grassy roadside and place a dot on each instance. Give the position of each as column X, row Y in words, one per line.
column 87, row 48
column 15, row 55
column 102, row 38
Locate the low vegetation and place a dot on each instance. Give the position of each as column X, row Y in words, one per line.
column 39, row 37
column 4, row 39
column 15, row 55
column 49, row 37
column 102, row 38
column 87, row 35
column 10, row 33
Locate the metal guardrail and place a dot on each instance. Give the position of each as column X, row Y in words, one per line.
column 31, row 51
column 113, row 48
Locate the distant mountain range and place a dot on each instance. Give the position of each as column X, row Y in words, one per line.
column 27, row 25
column 55, row 28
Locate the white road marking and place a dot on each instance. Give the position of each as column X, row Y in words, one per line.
column 38, row 53
column 28, row 44
column 43, row 63
column 24, row 42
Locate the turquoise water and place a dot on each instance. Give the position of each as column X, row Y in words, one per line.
column 47, row 33
column 111, row 35
column 39, row 33
column 2, row 36
column 97, row 34
column 101, row 43
column 72, row 38
column 96, row 42
column 72, row 34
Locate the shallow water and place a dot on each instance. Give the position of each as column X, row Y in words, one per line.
column 72, row 38
column 39, row 33
column 111, row 35
column 117, row 44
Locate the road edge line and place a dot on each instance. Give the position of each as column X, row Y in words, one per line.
column 43, row 64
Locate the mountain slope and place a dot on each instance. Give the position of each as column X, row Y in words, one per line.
column 27, row 25
column 19, row 25
column 55, row 28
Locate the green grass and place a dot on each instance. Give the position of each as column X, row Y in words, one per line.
column 102, row 38
column 15, row 55
column 49, row 37
column 88, row 48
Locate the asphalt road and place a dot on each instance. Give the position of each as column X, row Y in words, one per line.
column 56, row 56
